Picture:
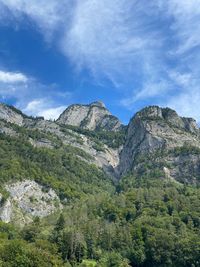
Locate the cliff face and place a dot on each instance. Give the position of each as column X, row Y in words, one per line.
column 92, row 117
column 160, row 131
column 11, row 115
column 150, row 131
column 26, row 200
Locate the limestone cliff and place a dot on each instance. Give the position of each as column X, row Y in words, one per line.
column 10, row 114
column 27, row 200
column 154, row 130
column 92, row 117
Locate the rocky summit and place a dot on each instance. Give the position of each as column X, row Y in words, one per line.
column 92, row 117
column 166, row 141
column 88, row 142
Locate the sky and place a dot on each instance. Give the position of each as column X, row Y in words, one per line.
column 127, row 53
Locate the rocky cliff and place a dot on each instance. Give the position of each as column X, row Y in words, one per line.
column 10, row 114
column 158, row 139
column 92, row 117
column 28, row 199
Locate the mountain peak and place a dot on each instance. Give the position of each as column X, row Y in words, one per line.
column 167, row 115
column 158, row 129
column 156, row 112
column 91, row 117
column 98, row 104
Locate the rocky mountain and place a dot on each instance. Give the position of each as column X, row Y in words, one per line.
column 158, row 139
column 92, row 117
column 85, row 150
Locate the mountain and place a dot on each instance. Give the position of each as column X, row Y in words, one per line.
column 85, row 190
column 159, row 140
column 155, row 136
column 91, row 117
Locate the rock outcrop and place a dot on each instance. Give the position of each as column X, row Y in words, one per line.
column 27, row 200
column 10, row 114
column 92, row 117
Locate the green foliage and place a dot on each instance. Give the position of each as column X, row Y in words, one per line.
column 113, row 259
column 149, row 224
column 17, row 253
column 61, row 168
column 185, row 150
column 88, row 263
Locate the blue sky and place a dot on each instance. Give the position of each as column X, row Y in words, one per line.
column 126, row 53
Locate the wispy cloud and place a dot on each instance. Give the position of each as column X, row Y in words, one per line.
column 149, row 49
column 109, row 38
column 12, row 77
column 47, row 16
column 45, row 108
column 149, row 91
column 185, row 25
column 186, row 104
column 30, row 95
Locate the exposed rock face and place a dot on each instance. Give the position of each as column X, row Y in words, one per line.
column 91, row 117
column 10, row 115
column 27, row 200
column 6, row 211
column 154, row 129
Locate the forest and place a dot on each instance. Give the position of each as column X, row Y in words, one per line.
column 137, row 221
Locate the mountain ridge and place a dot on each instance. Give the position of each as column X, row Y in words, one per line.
column 114, row 147
column 93, row 196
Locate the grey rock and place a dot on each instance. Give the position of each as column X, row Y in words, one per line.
column 8, row 114
column 28, row 199
column 153, row 129
column 91, row 117
column 6, row 211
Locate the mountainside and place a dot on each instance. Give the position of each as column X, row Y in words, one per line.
column 158, row 139
column 87, row 187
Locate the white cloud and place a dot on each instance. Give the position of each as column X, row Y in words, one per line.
column 107, row 37
column 13, row 84
column 185, row 24
column 29, row 95
column 186, row 104
column 52, row 113
column 44, row 108
column 154, row 42
column 149, row 91
column 182, row 79
column 12, row 77
column 48, row 16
